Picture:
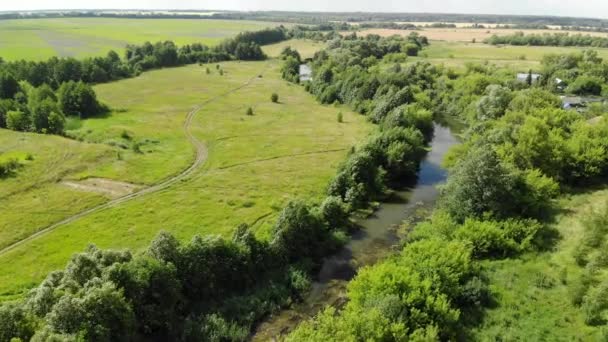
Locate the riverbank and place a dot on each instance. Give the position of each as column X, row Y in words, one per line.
column 376, row 240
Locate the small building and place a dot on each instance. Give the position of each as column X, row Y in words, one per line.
column 579, row 102
column 523, row 77
column 305, row 73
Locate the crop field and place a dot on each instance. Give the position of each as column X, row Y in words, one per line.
column 467, row 34
column 519, row 58
column 534, row 292
column 82, row 37
column 254, row 166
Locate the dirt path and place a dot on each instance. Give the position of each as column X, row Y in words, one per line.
column 200, row 158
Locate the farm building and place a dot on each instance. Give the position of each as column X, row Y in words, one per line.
column 523, row 77
column 305, row 73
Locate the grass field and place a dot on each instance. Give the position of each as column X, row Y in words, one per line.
column 532, row 293
column 519, row 58
column 306, row 48
column 40, row 39
column 256, row 163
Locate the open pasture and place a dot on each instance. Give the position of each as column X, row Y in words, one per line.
column 255, row 164
column 305, row 47
column 83, row 37
column 518, row 58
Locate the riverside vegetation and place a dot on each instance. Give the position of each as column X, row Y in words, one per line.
column 521, row 150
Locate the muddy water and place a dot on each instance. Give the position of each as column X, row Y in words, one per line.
column 376, row 239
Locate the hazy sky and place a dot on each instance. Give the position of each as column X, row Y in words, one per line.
column 586, row 8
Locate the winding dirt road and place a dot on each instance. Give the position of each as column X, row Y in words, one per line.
column 200, row 158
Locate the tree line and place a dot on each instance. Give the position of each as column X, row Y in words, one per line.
column 37, row 96
column 547, row 39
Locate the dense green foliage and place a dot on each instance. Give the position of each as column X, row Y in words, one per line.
column 519, row 151
column 399, row 103
column 205, row 288
column 555, row 39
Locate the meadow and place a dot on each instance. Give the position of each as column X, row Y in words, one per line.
column 518, row 58
column 255, row 164
column 41, row 39
column 305, row 47
column 534, row 292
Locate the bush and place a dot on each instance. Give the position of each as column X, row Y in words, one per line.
column 274, row 97
column 8, row 167
column 340, row 117
column 18, row 121
column 249, row 111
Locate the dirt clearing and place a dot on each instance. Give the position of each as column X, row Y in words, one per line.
column 107, row 187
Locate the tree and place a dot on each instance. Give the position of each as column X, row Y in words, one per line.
column 18, row 121
column 290, row 70
column 410, row 49
column 340, row 117
column 9, row 86
column 41, row 112
column 56, row 123
column 249, row 111
column 78, row 99
column 274, row 97
column 15, row 323
column 479, row 185
column 495, row 102
column 529, row 78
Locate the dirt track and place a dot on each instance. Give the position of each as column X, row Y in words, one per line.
column 200, row 158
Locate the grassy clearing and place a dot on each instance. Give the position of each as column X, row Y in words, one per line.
column 305, row 47
column 40, row 39
column 256, row 163
column 533, row 293
column 520, row 58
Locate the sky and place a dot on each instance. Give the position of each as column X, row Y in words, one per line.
column 583, row 8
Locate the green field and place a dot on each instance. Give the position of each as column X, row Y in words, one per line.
column 256, row 164
column 82, row 37
column 306, row 48
column 533, row 291
column 519, row 58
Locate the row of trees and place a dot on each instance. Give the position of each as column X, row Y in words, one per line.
column 36, row 96
column 41, row 109
column 208, row 289
column 547, row 39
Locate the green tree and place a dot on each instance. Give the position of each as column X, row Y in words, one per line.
column 477, row 185
column 9, row 86
column 78, row 99
column 274, row 97
column 494, row 104
column 18, row 121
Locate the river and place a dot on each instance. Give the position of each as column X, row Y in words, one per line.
column 377, row 238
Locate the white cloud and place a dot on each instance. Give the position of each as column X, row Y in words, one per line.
column 591, row 8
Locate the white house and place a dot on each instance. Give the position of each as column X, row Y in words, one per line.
column 305, row 73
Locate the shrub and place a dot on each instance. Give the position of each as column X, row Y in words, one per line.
column 340, row 117
column 18, row 121
column 249, row 111
column 274, row 97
